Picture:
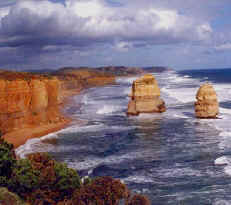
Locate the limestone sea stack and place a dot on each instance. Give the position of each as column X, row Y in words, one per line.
column 207, row 105
column 145, row 97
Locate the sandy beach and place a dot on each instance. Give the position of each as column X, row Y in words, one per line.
column 19, row 137
column 34, row 108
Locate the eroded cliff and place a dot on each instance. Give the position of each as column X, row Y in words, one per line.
column 29, row 100
column 207, row 105
column 145, row 96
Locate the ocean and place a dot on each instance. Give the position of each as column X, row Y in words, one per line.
column 172, row 157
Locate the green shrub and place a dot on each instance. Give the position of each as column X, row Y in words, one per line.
column 7, row 159
column 24, row 178
column 56, row 181
column 67, row 179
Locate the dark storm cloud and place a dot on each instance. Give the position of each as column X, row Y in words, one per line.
column 27, row 24
column 72, row 27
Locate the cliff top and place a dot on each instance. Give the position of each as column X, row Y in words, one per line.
column 14, row 75
column 146, row 79
column 206, row 91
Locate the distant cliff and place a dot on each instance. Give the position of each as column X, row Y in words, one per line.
column 156, row 69
column 74, row 80
column 118, row 70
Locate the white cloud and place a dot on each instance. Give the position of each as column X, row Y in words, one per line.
column 204, row 31
column 86, row 8
column 167, row 18
column 123, row 46
column 95, row 20
column 4, row 12
column 223, row 47
column 47, row 29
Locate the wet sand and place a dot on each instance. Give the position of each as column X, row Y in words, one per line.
column 19, row 137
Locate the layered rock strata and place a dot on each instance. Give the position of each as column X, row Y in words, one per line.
column 27, row 102
column 207, row 105
column 145, row 97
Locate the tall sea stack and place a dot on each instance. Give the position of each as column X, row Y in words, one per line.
column 145, row 97
column 207, row 105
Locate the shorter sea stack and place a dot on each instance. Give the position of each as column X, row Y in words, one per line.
column 145, row 97
column 207, row 105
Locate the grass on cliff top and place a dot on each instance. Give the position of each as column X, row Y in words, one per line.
column 14, row 75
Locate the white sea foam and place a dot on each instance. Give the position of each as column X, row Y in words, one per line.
column 180, row 116
column 86, row 100
column 146, row 116
column 224, row 160
column 106, row 109
column 126, row 80
column 127, row 91
column 92, row 162
column 225, row 134
column 179, row 172
column 34, row 144
column 139, row 179
column 227, row 170
column 176, row 79
column 223, row 91
column 225, row 140
column 86, row 128
column 184, row 95
column 37, row 144
column 225, row 111
column 221, row 202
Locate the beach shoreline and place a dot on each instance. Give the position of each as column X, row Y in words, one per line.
column 21, row 136
column 73, row 82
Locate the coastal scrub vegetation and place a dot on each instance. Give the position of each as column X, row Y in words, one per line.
column 40, row 180
column 27, row 76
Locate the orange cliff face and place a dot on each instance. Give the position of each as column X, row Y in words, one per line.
column 27, row 101
column 31, row 100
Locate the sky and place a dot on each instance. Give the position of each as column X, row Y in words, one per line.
column 50, row 34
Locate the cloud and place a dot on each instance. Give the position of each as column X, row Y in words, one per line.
column 123, row 46
column 4, row 11
column 223, row 47
column 44, row 29
column 83, row 23
column 6, row 3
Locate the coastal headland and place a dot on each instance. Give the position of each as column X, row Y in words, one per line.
column 31, row 102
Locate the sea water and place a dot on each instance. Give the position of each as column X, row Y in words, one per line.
column 172, row 157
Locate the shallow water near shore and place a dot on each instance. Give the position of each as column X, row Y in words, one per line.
column 173, row 158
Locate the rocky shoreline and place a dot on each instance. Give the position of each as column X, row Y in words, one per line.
column 31, row 104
